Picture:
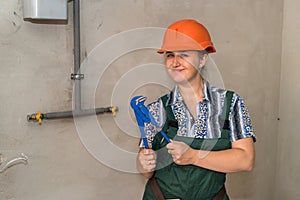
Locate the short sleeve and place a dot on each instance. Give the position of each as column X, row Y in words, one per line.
column 239, row 118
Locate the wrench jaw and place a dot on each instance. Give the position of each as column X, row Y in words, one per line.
column 137, row 100
column 137, row 103
column 141, row 100
column 143, row 116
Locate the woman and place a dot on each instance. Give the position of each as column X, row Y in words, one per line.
column 210, row 128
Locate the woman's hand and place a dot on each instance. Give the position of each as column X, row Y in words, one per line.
column 240, row 157
column 181, row 153
column 146, row 160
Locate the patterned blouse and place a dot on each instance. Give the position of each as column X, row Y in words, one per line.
column 207, row 123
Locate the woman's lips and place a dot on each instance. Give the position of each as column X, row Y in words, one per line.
column 178, row 70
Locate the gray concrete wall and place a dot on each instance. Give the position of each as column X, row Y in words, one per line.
column 64, row 162
column 288, row 136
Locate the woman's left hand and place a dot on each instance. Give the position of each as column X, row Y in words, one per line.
column 181, row 153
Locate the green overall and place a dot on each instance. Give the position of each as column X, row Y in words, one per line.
column 188, row 182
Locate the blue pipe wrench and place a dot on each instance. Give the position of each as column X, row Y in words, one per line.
column 143, row 116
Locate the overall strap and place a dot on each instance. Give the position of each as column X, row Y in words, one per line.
column 226, row 110
column 169, row 124
column 171, row 120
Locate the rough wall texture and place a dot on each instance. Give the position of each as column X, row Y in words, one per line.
column 288, row 135
column 36, row 63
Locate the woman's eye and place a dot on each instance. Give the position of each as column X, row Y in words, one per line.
column 183, row 55
column 169, row 55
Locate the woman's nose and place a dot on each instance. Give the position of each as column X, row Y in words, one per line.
column 175, row 61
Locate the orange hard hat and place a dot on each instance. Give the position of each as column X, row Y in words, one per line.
column 187, row 34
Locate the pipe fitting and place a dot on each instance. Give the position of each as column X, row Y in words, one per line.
column 36, row 117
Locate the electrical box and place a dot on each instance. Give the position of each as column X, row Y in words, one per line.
column 45, row 9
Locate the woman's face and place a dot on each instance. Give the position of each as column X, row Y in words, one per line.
column 183, row 66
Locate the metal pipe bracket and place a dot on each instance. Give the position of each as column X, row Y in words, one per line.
column 77, row 76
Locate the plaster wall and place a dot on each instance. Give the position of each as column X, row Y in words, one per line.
column 288, row 134
column 36, row 63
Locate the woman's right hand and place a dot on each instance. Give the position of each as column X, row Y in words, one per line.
column 146, row 160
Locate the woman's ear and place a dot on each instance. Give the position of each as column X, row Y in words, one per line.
column 203, row 60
